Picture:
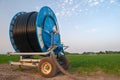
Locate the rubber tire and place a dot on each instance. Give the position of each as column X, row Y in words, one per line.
column 54, row 68
column 65, row 60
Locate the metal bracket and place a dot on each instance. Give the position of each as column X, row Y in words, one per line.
column 33, row 53
column 30, row 62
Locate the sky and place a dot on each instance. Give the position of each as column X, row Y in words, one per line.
column 85, row 25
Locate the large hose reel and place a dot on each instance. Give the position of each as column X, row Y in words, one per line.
column 35, row 31
column 32, row 32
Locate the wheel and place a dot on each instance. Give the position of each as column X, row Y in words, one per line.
column 64, row 62
column 47, row 68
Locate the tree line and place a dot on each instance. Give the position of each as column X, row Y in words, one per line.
column 103, row 52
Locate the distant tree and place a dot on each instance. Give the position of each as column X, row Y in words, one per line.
column 101, row 52
column 88, row 53
column 84, row 53
column 109, row 52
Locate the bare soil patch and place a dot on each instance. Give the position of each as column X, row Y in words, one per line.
column 8, row 73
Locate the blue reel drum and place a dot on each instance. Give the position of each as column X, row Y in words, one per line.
column 47, row 30
column 37, row 32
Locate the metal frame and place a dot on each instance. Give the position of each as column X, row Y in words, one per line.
column 30, row 62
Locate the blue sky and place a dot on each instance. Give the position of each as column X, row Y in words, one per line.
column 85, row 25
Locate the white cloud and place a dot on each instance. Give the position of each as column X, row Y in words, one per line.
column 37, row 8
column 66, row 1
column 70, row 2
column 80, row 10
column 89, row 1
column 91, row 30
column 96, row 3
column 77, row 27
column 57, row 14
column 68, row 8
column 102, row 0
column 112, row 1
column 93, row 2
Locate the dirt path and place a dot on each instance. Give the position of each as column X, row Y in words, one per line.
column 6, row 73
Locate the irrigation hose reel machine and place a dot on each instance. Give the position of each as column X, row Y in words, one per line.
column 37, row 33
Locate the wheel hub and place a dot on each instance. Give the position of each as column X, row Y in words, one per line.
column 46, row 68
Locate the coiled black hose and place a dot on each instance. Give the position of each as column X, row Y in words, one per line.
column 24, row 33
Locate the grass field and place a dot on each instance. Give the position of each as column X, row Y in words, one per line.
column 6, row 59
column 85, row 64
